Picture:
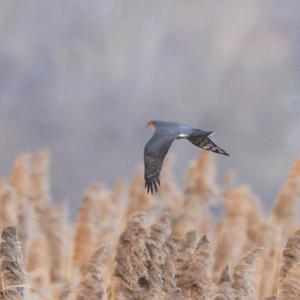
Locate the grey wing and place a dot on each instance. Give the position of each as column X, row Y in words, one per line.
column 206, row 143
column 154, row 154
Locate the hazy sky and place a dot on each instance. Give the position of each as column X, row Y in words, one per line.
column 82, row 78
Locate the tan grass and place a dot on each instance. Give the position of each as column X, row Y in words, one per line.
column 12, row 276
column 155, row 249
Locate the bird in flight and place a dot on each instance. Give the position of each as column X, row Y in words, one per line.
column 158, row 146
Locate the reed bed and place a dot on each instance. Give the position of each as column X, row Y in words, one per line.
column 126, row 244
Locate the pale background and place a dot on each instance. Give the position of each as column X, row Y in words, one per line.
column 82, row 78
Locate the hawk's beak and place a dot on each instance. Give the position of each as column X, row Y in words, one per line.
column 150, row 125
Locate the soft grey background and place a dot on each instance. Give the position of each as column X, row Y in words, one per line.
column 82, row 78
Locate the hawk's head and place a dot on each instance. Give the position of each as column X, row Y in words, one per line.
column 151, row 125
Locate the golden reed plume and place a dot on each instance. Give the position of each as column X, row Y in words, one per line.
column 125, row 244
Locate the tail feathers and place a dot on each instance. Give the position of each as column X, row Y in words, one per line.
column 206, row 143
column 199, row 132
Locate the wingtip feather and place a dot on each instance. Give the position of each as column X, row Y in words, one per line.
column 226, row 154
column 152, row 186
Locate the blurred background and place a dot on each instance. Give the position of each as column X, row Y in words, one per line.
column 82, row 78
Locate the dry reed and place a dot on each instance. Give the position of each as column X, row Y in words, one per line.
column 12, row 266
column 154, row 247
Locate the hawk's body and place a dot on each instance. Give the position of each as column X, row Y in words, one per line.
column 160, row 143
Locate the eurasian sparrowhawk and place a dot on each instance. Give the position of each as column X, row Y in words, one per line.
column 164, row 135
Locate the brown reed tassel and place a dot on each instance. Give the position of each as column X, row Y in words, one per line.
column 85, row 238
column 196, row 279
column 91, row 285
column 182, row 250
column 254, row 217
column 108, row 214
column 65, row 292
column 244, row 276
column 130, row 279
column 40, row 178
column 294, row 177
column 54, row 223
column 37, row 265
column 291, row 254
column 27, row 223
column 200, row 179
column 289, row 287
column 228, row 180
column 224, row 289
column 268, row 236
column 21, row 175
column 232, row 227
column 161, row 271
column 200, row 190
column 11, row 270
column 8, row 205
column 119, row 199
column 284, row 211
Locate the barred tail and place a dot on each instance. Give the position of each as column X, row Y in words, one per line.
column 206, row 143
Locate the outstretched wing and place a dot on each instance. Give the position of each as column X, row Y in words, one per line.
column 154, row 154
column 206, row 143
